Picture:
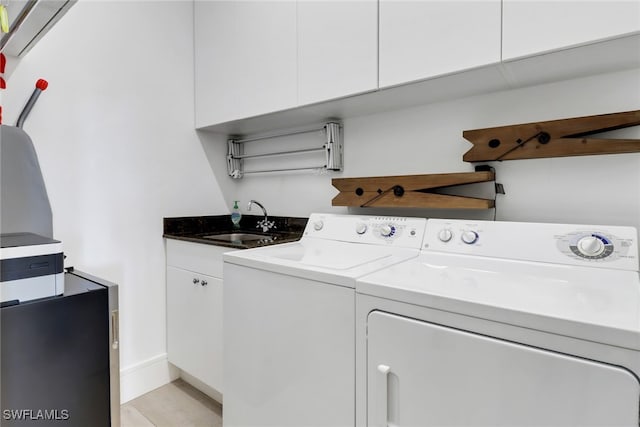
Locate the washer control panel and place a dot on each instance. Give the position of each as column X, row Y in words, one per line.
column 385, row 230
column 597, row 246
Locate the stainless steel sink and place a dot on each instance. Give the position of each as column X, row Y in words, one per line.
column 239, row 237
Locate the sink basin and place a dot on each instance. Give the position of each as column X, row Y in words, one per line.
column 239, row 237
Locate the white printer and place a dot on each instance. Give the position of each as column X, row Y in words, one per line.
column 31, row 267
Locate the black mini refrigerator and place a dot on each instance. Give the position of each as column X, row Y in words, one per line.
column 59, row 357
column 59, row 347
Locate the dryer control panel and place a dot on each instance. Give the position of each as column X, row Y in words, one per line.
column 403, row 232
column 593, row 245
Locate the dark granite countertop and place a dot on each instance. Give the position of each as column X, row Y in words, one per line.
column 194, row 228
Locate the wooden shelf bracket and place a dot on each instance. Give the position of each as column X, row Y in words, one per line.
column 411, row 191
column 554, row 138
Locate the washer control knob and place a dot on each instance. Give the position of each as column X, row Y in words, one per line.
column 469, row 237
column 387, row 230
column 318, row 225
column 361, row 228
column 445, row 235
column 590, row 246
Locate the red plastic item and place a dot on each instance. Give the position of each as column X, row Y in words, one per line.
column 3, row 84
column 41, row 85
column 3, row 62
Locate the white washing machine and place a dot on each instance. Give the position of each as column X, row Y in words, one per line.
column 503, row 324
column 289, row 319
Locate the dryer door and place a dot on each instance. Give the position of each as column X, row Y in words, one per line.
column 422, row 374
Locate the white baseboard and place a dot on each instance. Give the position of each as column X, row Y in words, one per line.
column 209, row 391
column 141, row 378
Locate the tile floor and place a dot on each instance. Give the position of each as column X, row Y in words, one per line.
column 176, row 404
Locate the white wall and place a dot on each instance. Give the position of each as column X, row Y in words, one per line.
column 115, row 139
column 601, row 189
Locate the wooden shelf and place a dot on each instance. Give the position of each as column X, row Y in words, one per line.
column 411, row 191
column 554, row 138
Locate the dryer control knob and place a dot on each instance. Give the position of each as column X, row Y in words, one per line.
column 590, row 246
column 445, row 235
column 387, row 230
column 318, row 225
column 361, row 228
column 469, row 237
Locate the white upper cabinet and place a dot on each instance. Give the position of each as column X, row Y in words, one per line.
column 245, row 59
column 258, row 57
column 256, row 61
column 533, row 26
column 337, row 49
column 423, row 39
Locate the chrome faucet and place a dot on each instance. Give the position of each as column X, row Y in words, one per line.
column 265, row 224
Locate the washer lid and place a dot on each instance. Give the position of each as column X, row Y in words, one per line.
column 590, row 303
column 323, row 260
column 331, row 256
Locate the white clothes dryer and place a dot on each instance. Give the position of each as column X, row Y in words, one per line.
column 503, row 324
column 289, row 319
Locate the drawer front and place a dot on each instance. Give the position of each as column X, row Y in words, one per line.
column 197, row 257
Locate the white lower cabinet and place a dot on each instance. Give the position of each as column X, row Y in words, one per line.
column 194, row 310
column 195, row 324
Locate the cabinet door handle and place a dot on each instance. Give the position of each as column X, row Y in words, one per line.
column 383, row 404
column 204, row 283
column 196, row 281
column 115, row 330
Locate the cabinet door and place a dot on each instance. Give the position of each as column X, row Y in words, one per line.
column 194, row 325
column 422, row 374
column 422, row 39
column 245, row 59
column 337, row 49
column 533, row 26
